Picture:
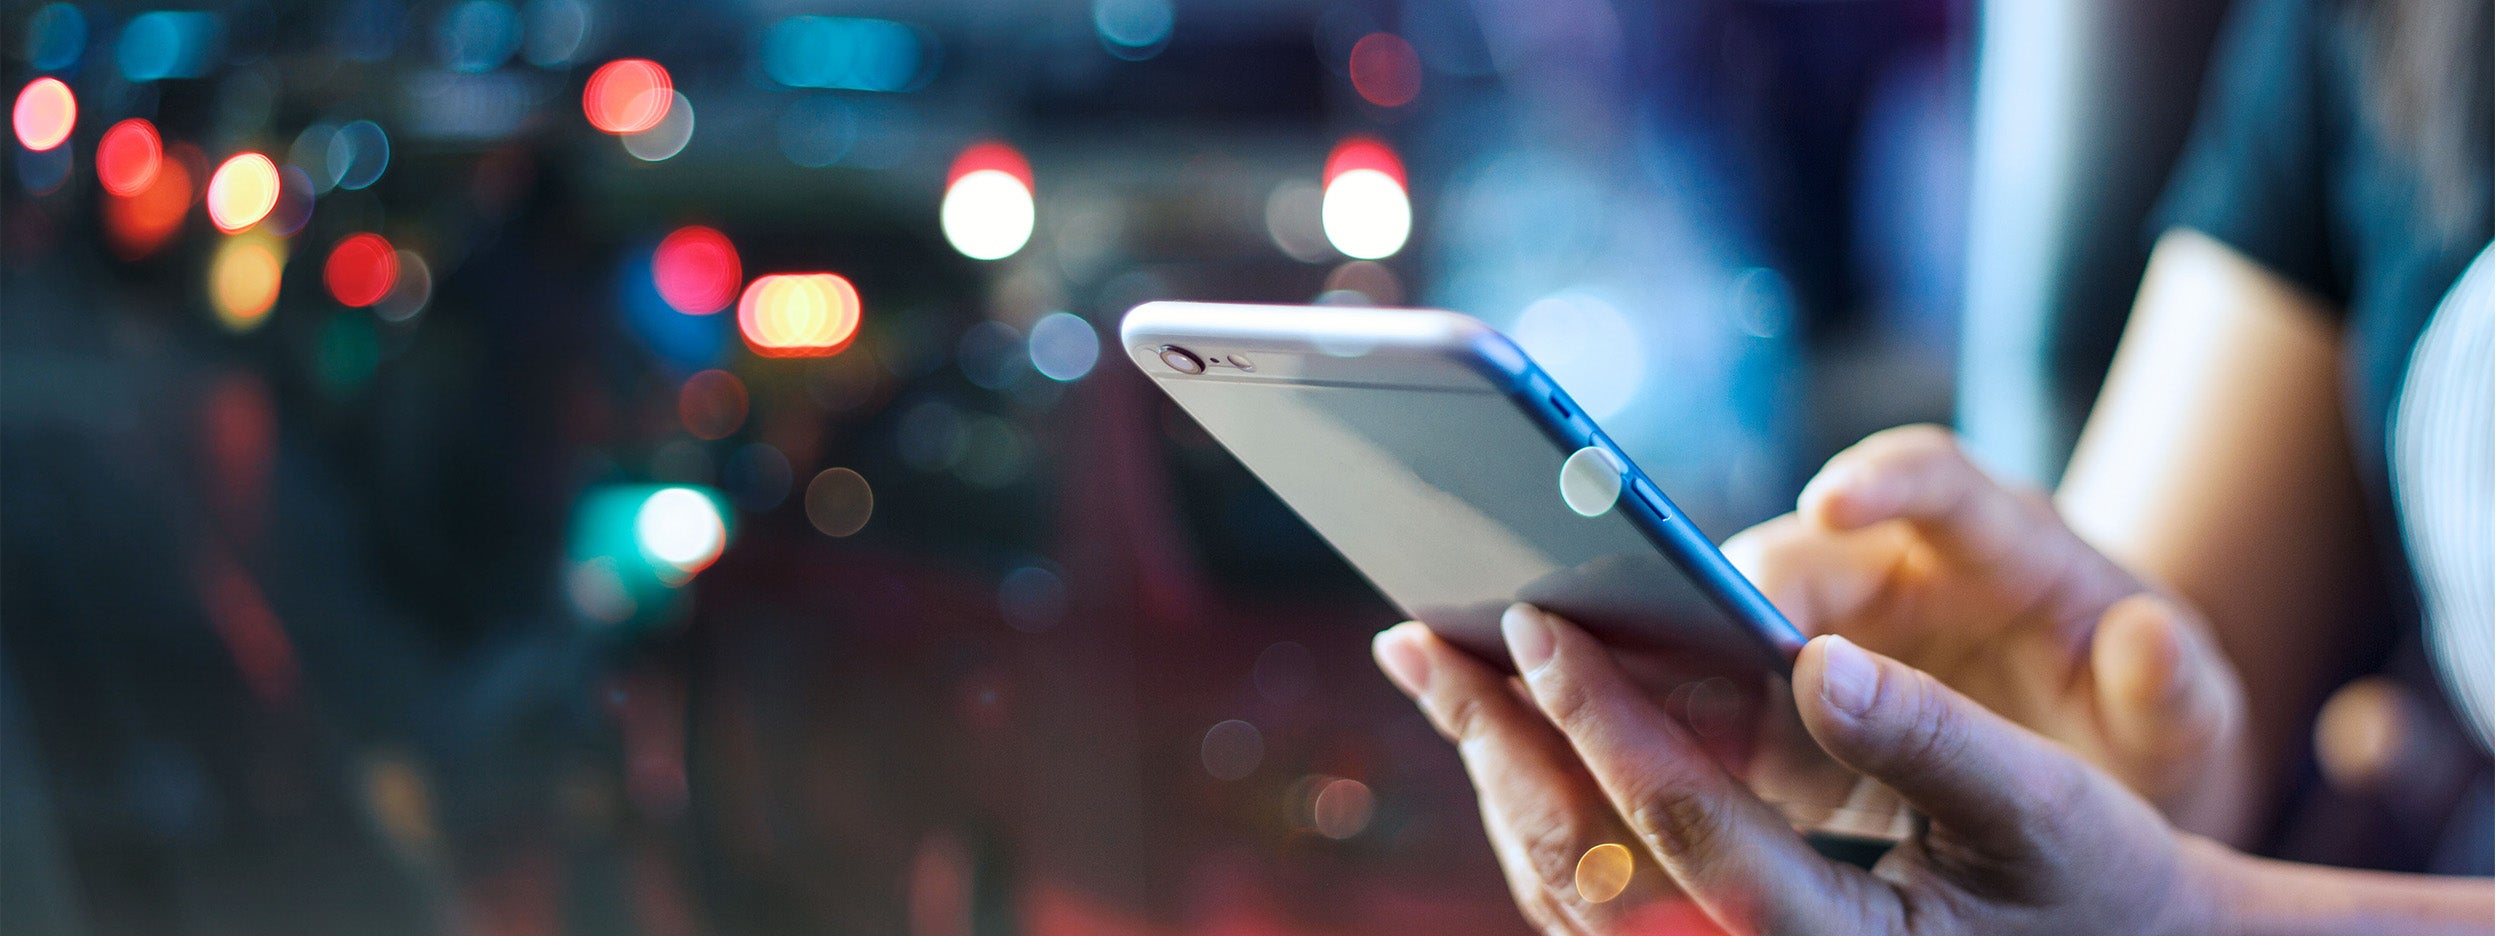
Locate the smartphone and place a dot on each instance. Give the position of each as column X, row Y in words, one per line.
column 1454, row 474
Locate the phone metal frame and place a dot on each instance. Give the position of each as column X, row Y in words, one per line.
column 1409, row 348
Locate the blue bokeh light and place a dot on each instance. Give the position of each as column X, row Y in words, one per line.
column 56, row 36
column 846, row 53
column 169, row 44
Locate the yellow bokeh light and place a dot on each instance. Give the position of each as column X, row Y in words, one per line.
column 242, row 192
column 798, row 314
column 243, row 279
column 1604, row 872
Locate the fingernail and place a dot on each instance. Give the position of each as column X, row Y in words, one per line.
column 1404, row 662
column 1848, row 677
column 1528, row 636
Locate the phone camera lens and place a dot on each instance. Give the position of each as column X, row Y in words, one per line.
column 1181, row 360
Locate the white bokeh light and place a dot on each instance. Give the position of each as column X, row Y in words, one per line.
column 664, row 141
column 988, row 214
column 1366, row 214
column 1589, row 346
column 1064, row 347
column 680, row 527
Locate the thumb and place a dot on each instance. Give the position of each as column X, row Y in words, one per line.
column 2166, row 695
column 1986, row 780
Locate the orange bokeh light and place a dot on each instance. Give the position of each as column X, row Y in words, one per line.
column 1385, row 70
column 628, row 96
column 140, row 223
column 798, row 315
column 243, row 279
column 46, row 111
column 127, row 158
column 242, row 192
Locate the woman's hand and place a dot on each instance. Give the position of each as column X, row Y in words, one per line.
column 1581, row 776
column 1906, row 547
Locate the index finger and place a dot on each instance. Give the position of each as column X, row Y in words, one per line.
column 1731, row 852
column 1920, row 475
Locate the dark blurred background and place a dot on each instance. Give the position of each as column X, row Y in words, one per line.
column 436, row 523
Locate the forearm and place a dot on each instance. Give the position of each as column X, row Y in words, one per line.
column 2216, row 464
column 2261, row 897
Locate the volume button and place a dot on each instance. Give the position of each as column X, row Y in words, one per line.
column 1648, row 495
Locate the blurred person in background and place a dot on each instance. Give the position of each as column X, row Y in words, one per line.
column 2094, row 703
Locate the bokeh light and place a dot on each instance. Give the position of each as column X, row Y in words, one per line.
column 816, row 131
column 357, row 154
column 1032, row 599
column 682, row 528
column 409, row 294
column 46, row 112
column 44, row 172
column 138, row 224
column 1133, row 29
column 169, row 44
column 845, row 53
column 1365, row 211
column 1232, row 749
column 361, row 270
column 1342, row 808
column 1063, row 346
column 696, row 270
column 628, row 96
column 988, row 212
column 479, row 35
column 242, row 192
column 1587, row 344
column 295, row 199
column 556, row 30
column 1604, row 872
column 243, row 279
column 127, row 157
column 712, row 404
column 666, row 138
column 1292, row 221
column 839, row 502
column 1385, row 70
column 56, row 35
column 798, row 314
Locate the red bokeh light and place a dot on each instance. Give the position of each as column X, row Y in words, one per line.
column 127, row 158
column 712, row 404
column 1385, row 70
column 138, row 224
column 798, row 314
column 628, row 96
column 361, row 270
column 990, row 155
column 1364, row 153
column 696, row 270
column 45, row 113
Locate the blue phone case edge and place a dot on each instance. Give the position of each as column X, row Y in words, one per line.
column 1663, row 523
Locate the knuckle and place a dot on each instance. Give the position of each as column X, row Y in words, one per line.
column 1462, row 719
column 1551, row 853
column 1674, row 821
